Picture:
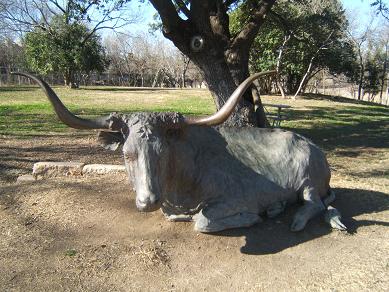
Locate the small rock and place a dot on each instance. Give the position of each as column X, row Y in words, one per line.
column 25, row 178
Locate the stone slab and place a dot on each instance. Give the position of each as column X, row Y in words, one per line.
column 101, row 169
column 49, row 169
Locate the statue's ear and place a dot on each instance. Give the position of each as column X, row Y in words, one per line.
column 110, row 140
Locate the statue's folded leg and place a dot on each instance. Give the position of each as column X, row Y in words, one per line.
column 206, row 222
column 312, row 206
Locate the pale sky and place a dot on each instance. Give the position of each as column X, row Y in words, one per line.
column 360, row 8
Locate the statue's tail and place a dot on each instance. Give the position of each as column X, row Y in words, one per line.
column 332, row 216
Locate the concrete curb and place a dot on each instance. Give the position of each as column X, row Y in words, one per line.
column 52, row 169
column 103, row 169
column 46, row 169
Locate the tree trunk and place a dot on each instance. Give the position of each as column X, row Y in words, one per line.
column 305, row 78
column 383, row 74
column 156, row 78
column 259, row 109
column 220, row 81
column 361, row 72
column 183, row 74
column 278, row 65
column 203, row 36
column 70, row 79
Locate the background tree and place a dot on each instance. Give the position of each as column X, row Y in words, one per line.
column 381, row 8
column 372, row 76
column 65, row 48
column 64, row 32
column 300, row 39
column 384, row 48
column 11, row 57
column 143, row 60
column 25, row 15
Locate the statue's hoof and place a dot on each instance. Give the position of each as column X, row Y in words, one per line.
column 332, row 217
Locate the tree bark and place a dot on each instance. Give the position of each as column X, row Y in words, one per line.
column 70, row 79
column 258, row 107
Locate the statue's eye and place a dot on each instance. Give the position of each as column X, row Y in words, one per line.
column 130, row 156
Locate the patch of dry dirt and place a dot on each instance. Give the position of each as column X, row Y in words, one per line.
column 19, row 154
column 75, row 234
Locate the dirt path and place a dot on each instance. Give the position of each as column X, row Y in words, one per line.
column 76, row 234
column 84, row 234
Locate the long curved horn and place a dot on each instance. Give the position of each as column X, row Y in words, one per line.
column 63, row 113
column 222, row 115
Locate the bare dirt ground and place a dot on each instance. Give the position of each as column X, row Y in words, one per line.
column 85, row 234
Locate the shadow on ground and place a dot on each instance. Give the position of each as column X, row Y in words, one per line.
column 332, row 128
column 17, row 88
column 341, row 99
column 18, row 158
column 273, row 235
column 127, row 89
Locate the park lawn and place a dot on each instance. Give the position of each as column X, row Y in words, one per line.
column 83, row 233
column 343, row 128
column 25, row 110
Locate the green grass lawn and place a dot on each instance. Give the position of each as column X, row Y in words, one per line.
column 26, row 110
column 330, row 122
column 354, row 135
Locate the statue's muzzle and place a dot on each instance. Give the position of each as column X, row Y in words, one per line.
column 148, row 203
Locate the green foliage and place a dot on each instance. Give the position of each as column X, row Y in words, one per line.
column 317, row 33
column 375, row 66
column 64, row 47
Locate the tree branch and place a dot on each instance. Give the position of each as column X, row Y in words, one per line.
column 243, row 40
column 168, row 14
column 56, row 4
column 174, row 28
column 322, row 47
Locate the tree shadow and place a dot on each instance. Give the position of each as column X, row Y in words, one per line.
column 344, row 127
column 273, row 235
column 126, row 89
column 17, row 88
column 341, row 99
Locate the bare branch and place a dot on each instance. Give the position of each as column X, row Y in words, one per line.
column 56, row 4
column 322, row 47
